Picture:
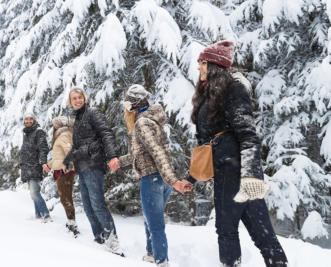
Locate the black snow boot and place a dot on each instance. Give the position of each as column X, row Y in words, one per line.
column 72, row 227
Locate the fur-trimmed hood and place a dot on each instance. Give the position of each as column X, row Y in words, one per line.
column 155, row 113
column 61, row 130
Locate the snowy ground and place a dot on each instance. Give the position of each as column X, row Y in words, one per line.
column 27, row 242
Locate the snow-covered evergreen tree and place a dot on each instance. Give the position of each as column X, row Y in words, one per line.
column 284, row 45
column 104, row 46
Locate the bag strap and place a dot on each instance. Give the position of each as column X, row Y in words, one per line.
column 219, row 134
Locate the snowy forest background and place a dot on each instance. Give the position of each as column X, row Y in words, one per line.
column 283, row 48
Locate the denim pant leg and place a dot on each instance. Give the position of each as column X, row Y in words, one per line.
column 41, row 209
column 154, row 195
column 95, row 225
column 149, row 247
column 95, row 184
column 257, row 221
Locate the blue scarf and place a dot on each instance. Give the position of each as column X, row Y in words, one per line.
column 141, row 110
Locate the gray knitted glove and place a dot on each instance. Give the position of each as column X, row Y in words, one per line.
column 250, row 189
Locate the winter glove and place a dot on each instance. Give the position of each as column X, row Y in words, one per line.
column 250, row 189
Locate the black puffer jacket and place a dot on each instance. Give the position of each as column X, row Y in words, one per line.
column 93, row 141
column 33, row 153
column 241, row 145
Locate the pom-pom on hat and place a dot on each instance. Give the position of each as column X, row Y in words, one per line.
column 136, row 97
column 220, row 53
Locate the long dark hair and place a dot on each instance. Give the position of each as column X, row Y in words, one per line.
column 214, row 93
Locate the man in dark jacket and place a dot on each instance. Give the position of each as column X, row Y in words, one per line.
column 92, row 149
column 33, row 156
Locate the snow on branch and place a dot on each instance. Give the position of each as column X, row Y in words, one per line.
column 269, row 89
column 314, row 227
column 275, row 10
column 294, row 185
column 210, row 20
column 108, row 51
column 158, row 29
column 78, row 8
column 190, row 54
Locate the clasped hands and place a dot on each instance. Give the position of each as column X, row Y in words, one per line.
column 181, row 186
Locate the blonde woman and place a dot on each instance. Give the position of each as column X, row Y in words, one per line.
column 152, row 164
column 93, row 148
column 61, row 145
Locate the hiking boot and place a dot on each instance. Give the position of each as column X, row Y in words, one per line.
column 99, row 240
column 148, row 258
column 46, row 219
column 113, row 245
column 163, row 264
column 72, row 227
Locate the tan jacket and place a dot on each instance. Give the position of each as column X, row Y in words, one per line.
column 149, row 150
column 61, row 147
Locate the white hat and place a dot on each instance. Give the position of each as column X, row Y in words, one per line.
column 137, row 91
column 136, row 97
column 29, row 114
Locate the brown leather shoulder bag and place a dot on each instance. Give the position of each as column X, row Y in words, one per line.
column 201, row 166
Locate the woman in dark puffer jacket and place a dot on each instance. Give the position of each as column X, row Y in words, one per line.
column 221, row 103
column 93, row 146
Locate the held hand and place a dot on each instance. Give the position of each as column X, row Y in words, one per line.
column 45, row 168
column 187, row 186
column 179, row 186
column 114, row 164
column 64, row 168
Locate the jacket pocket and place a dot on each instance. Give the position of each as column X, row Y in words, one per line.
column 81, row 153
column 95, row 149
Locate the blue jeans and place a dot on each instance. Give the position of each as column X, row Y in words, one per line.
column 91, row 184
column 41, row 210
column 154, row 195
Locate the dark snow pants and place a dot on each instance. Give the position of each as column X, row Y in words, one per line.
column 254, row 214
column 65, row 184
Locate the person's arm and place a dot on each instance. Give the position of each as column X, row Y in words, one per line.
column 191, row 179
column 240, row 116
column 101, row 125
column 125, row 160
column 68, row 159
column 42, row 147
column 65, row 143
column 149, row 134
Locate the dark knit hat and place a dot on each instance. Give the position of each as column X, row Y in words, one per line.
column 220, row 53
column 136, row 97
